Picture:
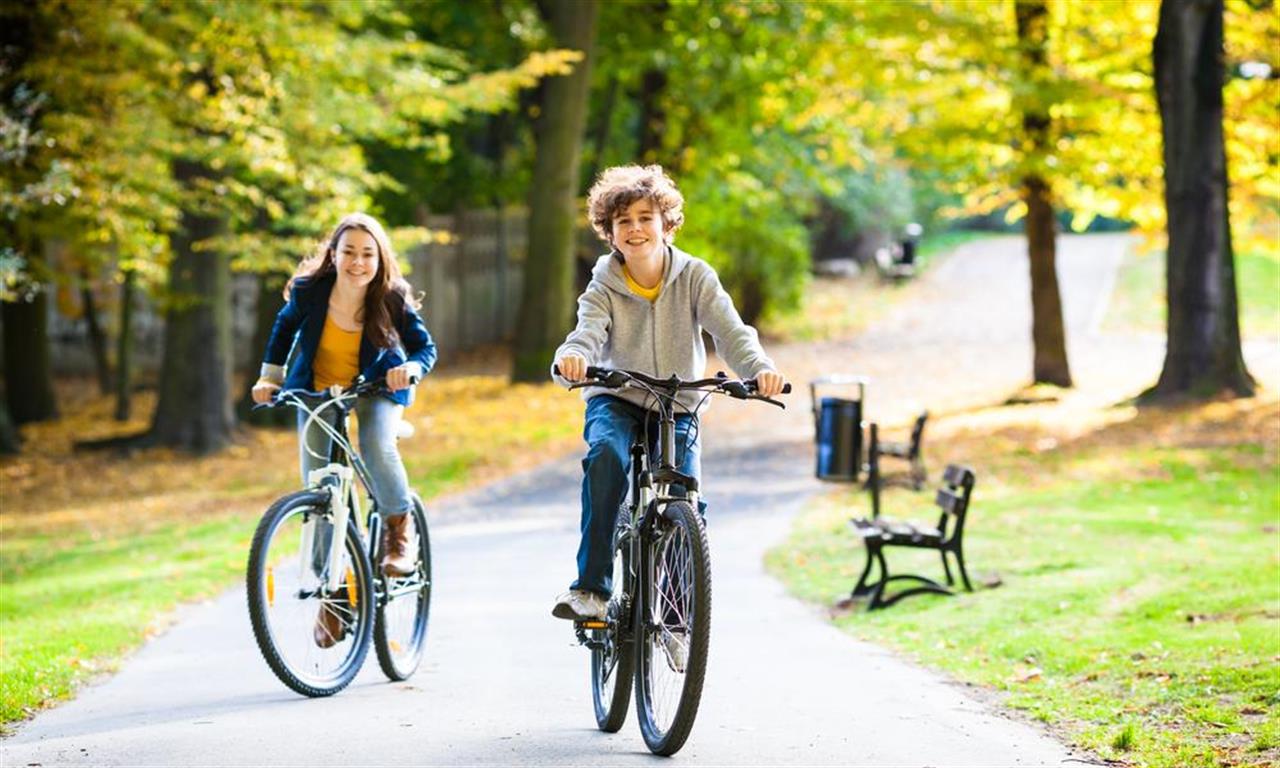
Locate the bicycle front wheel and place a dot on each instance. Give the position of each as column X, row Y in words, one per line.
column 400, row 634
column 613, row 658
column 674, row 628
column 314, row 639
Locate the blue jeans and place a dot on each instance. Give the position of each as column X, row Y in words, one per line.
column 612, row 425
column 378, row 418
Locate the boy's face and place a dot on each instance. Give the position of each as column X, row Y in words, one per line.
column 638, row 230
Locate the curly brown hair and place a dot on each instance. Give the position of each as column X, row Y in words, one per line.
column 618, row 187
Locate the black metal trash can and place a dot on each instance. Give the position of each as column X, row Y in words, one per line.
column 839, row 439
column 837, row 423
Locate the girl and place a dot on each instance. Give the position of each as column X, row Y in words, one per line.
column 349, row 312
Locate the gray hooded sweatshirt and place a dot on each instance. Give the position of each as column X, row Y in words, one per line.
column 618, row 329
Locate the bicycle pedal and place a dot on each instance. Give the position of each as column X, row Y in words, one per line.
column 591, row 624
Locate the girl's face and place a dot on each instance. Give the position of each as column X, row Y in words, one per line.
column 638, row 231
column 356, row 258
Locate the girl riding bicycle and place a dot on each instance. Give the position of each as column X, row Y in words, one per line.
column 644, row 309
column 350, row 313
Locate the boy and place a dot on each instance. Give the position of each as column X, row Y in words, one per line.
column 644, row 310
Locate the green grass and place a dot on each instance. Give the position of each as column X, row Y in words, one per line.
column 72, row 611
column 1139, row 613
column 1138, row 303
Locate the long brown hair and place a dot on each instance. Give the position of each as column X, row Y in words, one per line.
column 388, row 292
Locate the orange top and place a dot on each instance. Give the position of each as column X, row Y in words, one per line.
column 337, row 358
column 648, row 294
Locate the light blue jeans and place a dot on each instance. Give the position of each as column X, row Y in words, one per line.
column 378, row 418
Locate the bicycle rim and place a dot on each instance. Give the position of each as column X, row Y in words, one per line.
column 400, row 636
column 613, row 667
column 675, row 621
column 286, row 598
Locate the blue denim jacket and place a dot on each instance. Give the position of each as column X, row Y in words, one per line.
column 301, row 322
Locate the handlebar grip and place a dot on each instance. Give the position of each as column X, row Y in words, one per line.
column 592, row 371
column 786, row 388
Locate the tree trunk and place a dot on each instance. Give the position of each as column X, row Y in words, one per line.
column 97, row 339
column 27, row 368
column 270, row 300
column 1048, row 334
column 124, row 350
column 10, row 440
column 1202, row 355
column 653, row 116
column 193, row 411
column 546, row 305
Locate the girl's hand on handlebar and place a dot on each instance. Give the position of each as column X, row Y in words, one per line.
column 402, row 377
column 770, row 383
column 572, row 367
column 264, row 391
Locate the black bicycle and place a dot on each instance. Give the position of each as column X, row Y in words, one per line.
column 657, row 625
column 314, row 606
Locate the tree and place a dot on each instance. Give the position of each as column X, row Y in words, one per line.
column 1203, row 355
column 1048, row 335
column 546, row 304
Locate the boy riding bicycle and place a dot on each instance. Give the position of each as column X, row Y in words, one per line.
column 644, row 310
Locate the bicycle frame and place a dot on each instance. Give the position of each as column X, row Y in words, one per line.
column 337, row 476
column 650, row 493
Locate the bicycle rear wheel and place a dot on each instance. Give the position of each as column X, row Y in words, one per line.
column 613, row 664
column 674, row 628
column 288, row 597
column 400, row 633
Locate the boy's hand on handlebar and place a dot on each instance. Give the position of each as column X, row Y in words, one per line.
column 402, row 377
column 770, row 383
column 573, row 368
column 264, row 391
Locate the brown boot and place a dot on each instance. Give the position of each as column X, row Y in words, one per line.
column 397, row 560
column 329, row 627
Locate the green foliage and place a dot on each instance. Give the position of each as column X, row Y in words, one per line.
column 272, row 100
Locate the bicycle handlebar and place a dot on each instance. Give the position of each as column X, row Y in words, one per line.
column 375, row 387
column 616, row 379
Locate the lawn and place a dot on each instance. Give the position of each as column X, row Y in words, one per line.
column 1138, row 562
column 99, row 548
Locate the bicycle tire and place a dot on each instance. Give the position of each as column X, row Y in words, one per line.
column 262, row 591
column 678, row 548
column 613, row 668
column 399, row 653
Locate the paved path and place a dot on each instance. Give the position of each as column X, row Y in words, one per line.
column 505, row 683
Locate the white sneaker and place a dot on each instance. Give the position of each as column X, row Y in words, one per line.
column 579, row 605
column 676, row 647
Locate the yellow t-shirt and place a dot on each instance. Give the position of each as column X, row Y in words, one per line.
column 649, row 294
column 338, row 357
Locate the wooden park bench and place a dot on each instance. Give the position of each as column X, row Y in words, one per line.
column 879, row 533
